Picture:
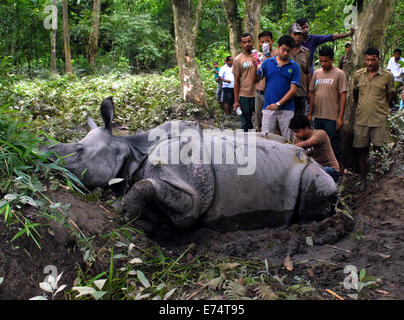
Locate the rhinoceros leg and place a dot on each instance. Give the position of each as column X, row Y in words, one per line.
column 178, row 202
column 137, row 198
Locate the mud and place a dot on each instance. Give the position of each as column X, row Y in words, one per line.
column 373, row 240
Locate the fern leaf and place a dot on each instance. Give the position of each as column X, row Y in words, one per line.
column 216, row 283
column 265, row 292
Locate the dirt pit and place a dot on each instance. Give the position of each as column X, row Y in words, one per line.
column 373, row 240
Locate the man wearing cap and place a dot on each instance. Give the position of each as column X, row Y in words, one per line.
column 312, row 41
column 301, row 56
column 345, row 63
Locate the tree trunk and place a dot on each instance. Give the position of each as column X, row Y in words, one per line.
column 66, row 37
column 191, row 82
column 93, row 40
column 53, row 37
column 252, row 19
column 234, row 24
column 196, row 22
column 373, row 20
column 284, row 6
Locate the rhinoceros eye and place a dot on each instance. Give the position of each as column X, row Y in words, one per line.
column 79, row 149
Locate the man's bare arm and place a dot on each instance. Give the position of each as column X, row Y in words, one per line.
column 236, row 91
column 342, row 104
column 311, row 142
column 312, row 97
column 343, row 35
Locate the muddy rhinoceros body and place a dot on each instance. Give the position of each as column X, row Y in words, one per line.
column 217, row 178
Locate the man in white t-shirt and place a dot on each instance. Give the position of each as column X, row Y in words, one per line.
column 226, row 75
column 396, row 66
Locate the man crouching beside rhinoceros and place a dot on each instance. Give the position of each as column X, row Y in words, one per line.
column 189, row 176
column 317, row 143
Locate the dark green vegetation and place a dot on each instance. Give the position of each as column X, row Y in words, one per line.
column 139, row 36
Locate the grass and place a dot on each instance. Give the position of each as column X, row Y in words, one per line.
column 23, row 167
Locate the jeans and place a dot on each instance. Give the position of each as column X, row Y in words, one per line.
column 330, row 127
column 219, row 94
column 247, row 107
column 332, row 172
column 300, row 105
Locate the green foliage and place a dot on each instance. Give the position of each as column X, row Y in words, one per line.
column 142, row 42
column 382, row 161
column 142, row 101
column 217, row 51
column 394, row 38
column 22, row 167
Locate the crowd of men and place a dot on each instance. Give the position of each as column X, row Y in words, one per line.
column 289, row 98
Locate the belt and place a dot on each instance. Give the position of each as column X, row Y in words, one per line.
column 260, row 92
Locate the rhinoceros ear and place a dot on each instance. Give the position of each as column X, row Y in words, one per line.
column 92, row 125
column 107, row 112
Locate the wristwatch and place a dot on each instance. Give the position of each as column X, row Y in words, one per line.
column 278, row 104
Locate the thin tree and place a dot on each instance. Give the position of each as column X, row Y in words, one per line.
column 191, row 82
column 66, row 37
column 93, row 39
column 196, row 21
column 53, row 37
column 234, row 25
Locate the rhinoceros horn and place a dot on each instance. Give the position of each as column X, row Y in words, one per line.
column 92, row 125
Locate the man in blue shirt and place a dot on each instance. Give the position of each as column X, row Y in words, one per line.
column 282, row 78
column 312, row 41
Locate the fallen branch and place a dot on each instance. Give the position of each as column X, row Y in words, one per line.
column 345, row 250
column 334, row 294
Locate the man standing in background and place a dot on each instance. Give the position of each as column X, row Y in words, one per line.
column 282, row 78
column 245, row 70
column 301, row 56
column 373, row 90
column 226, row 76
column 216, row 70
column 328, row 99
column 265, row 39
column 312, row 41
column 396, row 66
column 345, row 63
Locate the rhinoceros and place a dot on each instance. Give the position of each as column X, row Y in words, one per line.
column 189, row 176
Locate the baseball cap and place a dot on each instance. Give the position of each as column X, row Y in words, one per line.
column 295, row 28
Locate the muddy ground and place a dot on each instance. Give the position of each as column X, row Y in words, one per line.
column 373, row 240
